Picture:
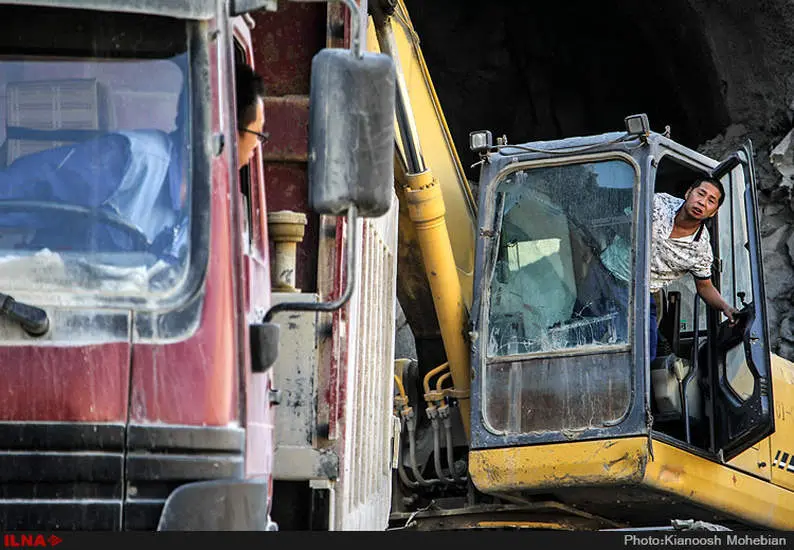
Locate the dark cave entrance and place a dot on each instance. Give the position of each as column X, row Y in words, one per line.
column 537, row 71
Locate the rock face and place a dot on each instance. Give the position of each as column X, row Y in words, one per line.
column 718, row 72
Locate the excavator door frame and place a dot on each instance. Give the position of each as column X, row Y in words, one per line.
column 742, row 418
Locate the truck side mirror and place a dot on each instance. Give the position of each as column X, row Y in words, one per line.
column 351, row 132
column 351, row 152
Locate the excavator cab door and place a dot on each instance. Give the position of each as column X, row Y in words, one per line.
column 741, row 376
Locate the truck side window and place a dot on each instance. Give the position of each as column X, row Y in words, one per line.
column 247, row 222
column 245, row 178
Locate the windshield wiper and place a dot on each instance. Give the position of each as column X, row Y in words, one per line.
column 34, row 320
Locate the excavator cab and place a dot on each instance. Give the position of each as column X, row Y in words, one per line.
column 563, row 395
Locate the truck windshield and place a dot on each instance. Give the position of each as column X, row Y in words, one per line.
column 94, row 183
column 558, row 355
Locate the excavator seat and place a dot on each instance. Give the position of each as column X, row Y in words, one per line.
column 673, row 366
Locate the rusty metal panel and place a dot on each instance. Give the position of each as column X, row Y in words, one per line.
column 65, row 382
column 333, row 343
column 285, row 43
column 288, row 124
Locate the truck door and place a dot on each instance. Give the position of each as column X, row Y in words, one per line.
column 255, row 281
column 741, row 380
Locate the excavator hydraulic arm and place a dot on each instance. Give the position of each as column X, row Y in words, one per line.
column 434, row 197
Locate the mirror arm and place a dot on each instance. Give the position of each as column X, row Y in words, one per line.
column 357, row 36
column 352, row 227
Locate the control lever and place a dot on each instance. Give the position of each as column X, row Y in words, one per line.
column 744, row 314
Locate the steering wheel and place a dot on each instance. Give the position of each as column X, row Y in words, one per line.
column 139, row 239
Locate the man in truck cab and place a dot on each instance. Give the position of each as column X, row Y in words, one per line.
column 138, row 176
column 680, row 243
column 250, row 92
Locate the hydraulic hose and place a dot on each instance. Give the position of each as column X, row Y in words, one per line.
column 412, row 452
column 450, row 455
column 437, row 447
column 401, row 466
column 432, row 373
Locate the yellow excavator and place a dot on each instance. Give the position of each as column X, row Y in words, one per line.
column 531, row 402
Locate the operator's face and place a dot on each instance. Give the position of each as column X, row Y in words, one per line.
column 702, row 201
column 247, row 141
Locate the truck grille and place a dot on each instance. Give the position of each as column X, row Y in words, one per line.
column 73, row 476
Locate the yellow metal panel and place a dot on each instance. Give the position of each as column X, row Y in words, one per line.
column 755, row 460
column 438, row 149
column 719, row 487
column 611, row 462
column 782, row 441
column 559, row 465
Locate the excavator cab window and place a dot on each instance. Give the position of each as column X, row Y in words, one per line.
column 561, row 286
column 564, row 259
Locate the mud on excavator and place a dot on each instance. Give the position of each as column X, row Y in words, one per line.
column 530, row 401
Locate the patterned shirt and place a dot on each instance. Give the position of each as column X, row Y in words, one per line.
column 672, row 258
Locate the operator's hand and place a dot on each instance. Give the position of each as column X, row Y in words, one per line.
column 730, row 312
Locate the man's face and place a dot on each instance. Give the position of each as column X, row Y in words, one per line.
column 247, row 141
column 702, row 201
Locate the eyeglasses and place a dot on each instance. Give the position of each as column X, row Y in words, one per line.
column 262, row 137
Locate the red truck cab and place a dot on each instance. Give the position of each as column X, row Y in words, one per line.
column 141, row 392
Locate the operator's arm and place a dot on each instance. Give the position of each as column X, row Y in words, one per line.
column 712, row 297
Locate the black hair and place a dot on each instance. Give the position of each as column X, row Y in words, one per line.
column 716, row 183
column 249, row 88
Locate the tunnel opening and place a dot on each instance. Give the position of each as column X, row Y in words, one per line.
column 539, row 71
